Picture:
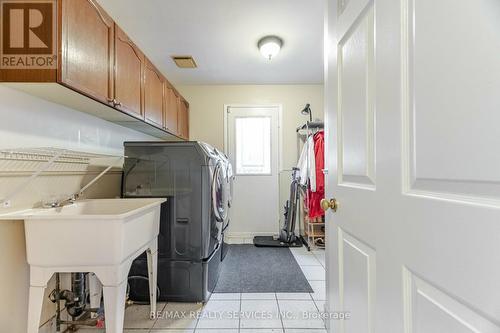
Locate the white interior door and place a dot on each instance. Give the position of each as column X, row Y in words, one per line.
column 412, row 92
column 252, row 147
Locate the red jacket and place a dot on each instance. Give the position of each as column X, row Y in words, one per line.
column 315, row 197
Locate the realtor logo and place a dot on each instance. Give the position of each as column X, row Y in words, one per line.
column 28, row 34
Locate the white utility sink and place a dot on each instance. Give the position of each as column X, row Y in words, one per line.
column 102, row 236
column 91, row 232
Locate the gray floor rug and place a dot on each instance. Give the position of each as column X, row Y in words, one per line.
column 250, row 269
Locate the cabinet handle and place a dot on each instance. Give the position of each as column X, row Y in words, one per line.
column 116, row 103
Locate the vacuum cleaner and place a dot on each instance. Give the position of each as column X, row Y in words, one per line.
column 286, row 237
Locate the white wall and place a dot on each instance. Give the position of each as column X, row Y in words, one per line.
column 27, row 121
column 207, row 118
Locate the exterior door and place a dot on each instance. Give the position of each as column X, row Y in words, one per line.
column 252, row 147
column 412, row 152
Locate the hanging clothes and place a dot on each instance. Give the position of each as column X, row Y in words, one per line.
column 307, row 164
column 314, row 197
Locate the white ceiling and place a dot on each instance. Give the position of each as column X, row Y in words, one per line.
column 222, row 36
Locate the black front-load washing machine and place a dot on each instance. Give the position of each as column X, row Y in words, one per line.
column 191, row 175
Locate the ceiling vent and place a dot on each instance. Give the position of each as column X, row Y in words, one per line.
column 184, row 61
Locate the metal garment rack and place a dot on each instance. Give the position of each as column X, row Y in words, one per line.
column 310, row 125
column 308, row 228
column 36, row 161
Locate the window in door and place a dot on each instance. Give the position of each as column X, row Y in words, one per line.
column 253, row 145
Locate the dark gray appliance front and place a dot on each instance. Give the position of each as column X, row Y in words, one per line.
column 190, row 235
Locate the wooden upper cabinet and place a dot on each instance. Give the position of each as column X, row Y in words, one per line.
column 87, row 50
column 96, row 59
column 171, row 109
column 183, row 130
column 129, row 69
column 153, row 94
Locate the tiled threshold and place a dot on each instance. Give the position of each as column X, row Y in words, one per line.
column 262, row 312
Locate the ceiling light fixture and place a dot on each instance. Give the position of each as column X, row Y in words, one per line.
column 270, row 46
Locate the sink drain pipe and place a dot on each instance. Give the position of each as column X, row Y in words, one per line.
column 75, row 305
column 74, row 300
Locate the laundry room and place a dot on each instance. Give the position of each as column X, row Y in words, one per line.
column 150, row 186
column 264, row 166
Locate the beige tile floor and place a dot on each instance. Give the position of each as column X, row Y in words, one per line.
column 280, row 312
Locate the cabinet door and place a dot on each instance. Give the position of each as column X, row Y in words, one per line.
column 86, row 49
column 153, row 95
column 183, row 120
column 129, row 63
column 171, row 110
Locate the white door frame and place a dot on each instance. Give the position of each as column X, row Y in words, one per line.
column 277, row 106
